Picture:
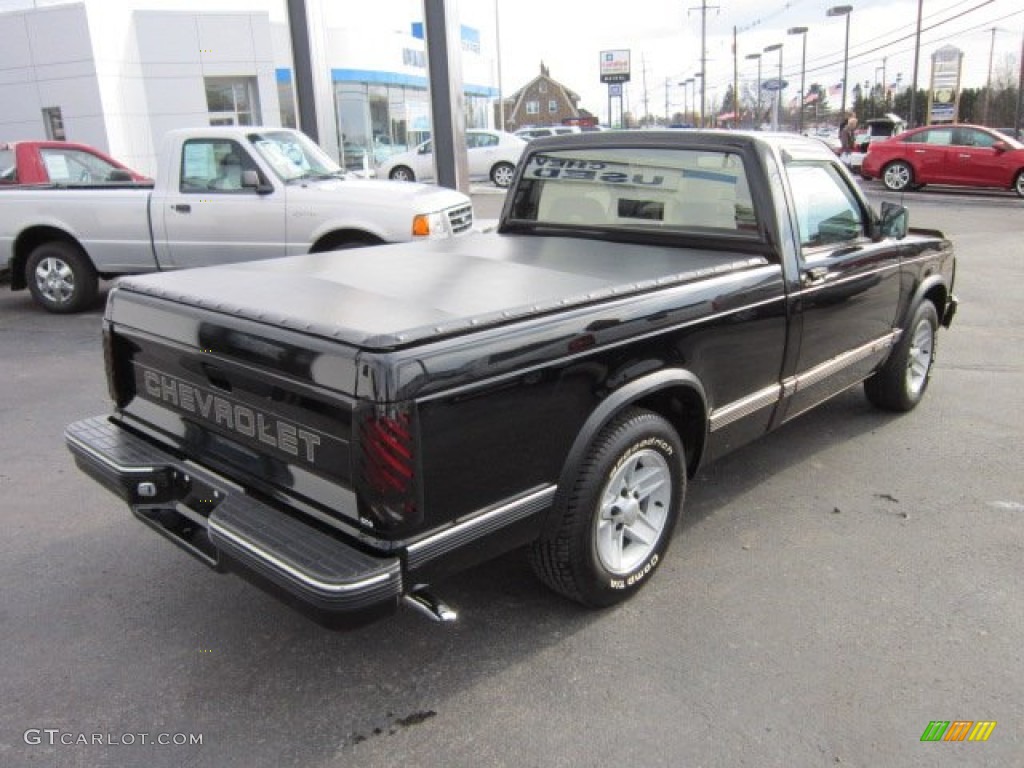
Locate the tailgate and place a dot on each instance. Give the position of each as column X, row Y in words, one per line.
column 270, row 408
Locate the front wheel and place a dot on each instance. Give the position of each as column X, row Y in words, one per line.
column 898, row 176
column 60, row 278
column 1018, row 184
column 401, row 173
column 612, row 527
column 900, row 384
column 501, row 174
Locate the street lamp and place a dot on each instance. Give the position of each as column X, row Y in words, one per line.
column 803, row 72
column 699, row 76
column 843, row 10
column 686, row 97
column 778, row 92
column 757, row 115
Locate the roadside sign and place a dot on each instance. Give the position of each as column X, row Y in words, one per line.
column 615, row 66
column 774, row 84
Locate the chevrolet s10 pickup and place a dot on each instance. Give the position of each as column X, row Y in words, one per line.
column 346, row 428
column 221, row 195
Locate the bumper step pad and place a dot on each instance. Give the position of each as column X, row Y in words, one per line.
column 303, row 562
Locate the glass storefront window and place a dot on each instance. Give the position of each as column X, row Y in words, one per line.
column 232, row 101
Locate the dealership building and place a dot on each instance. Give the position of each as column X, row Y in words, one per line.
column 119, row 75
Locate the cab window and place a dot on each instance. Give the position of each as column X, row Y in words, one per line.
column 827, row 211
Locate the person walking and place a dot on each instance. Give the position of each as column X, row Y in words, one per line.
column 848, row 137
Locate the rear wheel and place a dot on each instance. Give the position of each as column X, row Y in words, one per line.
column 898, row 176
column 501, row 174
column 900, row 384
column 402, row 173
column 614, row 525
column 61, row 278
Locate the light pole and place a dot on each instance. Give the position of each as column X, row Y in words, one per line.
column 803, row 71
column 757, row 114
column 686, row 96
column 843, row 10
column 778, row 91
column 698, row 76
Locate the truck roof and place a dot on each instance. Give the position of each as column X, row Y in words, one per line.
column 739, row 140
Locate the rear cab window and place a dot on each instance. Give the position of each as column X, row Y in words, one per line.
column 637, row 190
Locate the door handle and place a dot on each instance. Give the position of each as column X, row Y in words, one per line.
column 182, row 208
column 814, row 276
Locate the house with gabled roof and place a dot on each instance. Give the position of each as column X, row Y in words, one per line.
column 543, row 101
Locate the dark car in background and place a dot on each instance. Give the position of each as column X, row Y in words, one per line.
column 957, row 155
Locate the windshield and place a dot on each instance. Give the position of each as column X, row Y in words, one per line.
column 293, row 156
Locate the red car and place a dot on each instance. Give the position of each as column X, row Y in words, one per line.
column 960, row 155
column 24, row 163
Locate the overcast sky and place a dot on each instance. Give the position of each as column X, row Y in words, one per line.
column 664, row 39
column 664, row 36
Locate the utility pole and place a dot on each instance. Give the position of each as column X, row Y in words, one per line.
column 917, row 55
column 643, row 66
column 988, row 82
column 703, row 51
column 667, row 120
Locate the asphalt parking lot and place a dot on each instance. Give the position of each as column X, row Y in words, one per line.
column 832, row 590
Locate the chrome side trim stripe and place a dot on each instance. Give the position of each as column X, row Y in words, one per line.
column 727, row 414
column 828, row 368
column 481, row 524
column 769, row 396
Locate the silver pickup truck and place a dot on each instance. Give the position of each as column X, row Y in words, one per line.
column 221, row 195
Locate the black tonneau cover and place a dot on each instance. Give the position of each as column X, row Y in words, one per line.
column 397, row 295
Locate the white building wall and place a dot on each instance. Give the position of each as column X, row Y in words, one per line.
column 46, row 60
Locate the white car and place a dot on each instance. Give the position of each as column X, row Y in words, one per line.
column 492, row 155
column 554, row 130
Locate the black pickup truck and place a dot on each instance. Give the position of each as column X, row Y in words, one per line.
column 345, row 428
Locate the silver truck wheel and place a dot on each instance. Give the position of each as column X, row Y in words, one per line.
column 610, row 530
column 60, row 278
column 900, row 384
column 401, row 173
column 633, row 513
column 502, row 173
column 897, row 176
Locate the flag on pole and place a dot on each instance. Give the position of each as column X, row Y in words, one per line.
column 836, row 89
column 811, row 97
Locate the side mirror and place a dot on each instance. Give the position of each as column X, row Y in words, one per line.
column 251, row 180
column 1001, row 146
column 894, row 221
column 119, row 175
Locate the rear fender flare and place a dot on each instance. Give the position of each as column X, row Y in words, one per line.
column 626, row 395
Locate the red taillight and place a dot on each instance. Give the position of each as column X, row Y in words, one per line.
column 387, row 467
column 387, row 453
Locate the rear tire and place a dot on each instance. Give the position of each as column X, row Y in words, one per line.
column 401, row 173
column 61, row 278
column 501, row 174
column 898, row 176
column 612, row 527
column 900, row 384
